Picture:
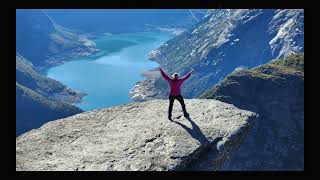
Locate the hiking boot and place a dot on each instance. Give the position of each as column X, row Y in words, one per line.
column 186, row 114
column 169, row 117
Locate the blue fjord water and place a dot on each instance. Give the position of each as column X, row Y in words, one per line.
column 108, row 76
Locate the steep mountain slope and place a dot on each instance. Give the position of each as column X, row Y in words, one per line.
column 137, row 136
column 221, row 42
column 38, row 97
column 33, row 109
column 44, row 43
column 41, row 43
column 276, row 92
column 27, row 76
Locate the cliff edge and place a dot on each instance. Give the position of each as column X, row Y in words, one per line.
column 138, row 136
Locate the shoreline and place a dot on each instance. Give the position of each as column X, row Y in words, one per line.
column 146, row 89
column 68, row 95
column 76, row 97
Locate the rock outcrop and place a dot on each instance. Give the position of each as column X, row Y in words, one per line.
column 138, row 136
column 276, row 92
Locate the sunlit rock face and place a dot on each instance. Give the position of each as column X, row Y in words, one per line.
column 138, row 136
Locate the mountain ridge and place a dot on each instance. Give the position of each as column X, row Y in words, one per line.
column 28, row 76
column 221, row 42
column 39, row 109
column 45, row 43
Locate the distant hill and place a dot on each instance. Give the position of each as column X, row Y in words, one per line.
column 37, row 98
column 28, row 76
column 40, row 44
column 45, row 43
column 33, row 109
column 124, row 20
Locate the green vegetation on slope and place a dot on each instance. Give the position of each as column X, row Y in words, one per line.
column 278, row 72
column 33, row 109
column 57, row 106
column 27, row 76
column 35, row 98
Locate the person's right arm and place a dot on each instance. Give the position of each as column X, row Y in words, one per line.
column 164, row 75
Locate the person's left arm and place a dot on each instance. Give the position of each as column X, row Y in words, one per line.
column 187, row 76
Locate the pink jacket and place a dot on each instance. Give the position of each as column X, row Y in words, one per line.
column 174, row 84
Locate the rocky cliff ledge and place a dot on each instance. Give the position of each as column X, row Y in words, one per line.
column 276, row 92
column 138, row 136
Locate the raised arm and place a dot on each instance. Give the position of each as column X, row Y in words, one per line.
column 187, row 76
column 164, row 75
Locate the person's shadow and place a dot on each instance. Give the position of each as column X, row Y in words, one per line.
column 201, row 160
column 195, row 132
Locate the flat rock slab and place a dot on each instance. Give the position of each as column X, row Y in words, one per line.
column 137, row 136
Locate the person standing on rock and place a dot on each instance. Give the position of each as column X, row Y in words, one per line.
column 175, row 84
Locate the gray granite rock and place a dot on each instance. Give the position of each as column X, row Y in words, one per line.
column 137, row 136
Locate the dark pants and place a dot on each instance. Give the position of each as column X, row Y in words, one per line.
column 180, row 99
